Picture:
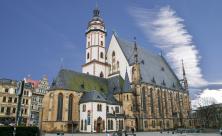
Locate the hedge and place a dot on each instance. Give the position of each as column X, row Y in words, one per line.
column 20, row 131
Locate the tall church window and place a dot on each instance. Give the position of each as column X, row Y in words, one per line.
column 70, row 107
column 151, row 101
column 101, row 55
column 60, row 107
column 113, row 61
column 153, row 124
column 87, row 55
column 101, row 74
column 144, row 98
column 159, row 103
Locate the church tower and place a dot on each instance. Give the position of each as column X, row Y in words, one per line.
column 95, row 63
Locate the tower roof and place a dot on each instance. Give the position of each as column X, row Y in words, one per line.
column 126, row 85
column 96, row 17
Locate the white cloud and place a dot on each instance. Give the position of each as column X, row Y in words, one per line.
column 167, row 32
column 208, row 93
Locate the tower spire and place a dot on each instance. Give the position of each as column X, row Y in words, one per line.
column 135, row 51
column 184, row 74
column 184, row 77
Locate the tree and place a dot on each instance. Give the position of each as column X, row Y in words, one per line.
column 206, row 109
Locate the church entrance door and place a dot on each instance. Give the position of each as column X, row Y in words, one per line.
column 99, row 125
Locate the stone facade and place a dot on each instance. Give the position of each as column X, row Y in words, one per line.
column 50, row 122
column 9, row 100
column 40, row 88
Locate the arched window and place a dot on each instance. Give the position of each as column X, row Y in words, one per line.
column 99, row 107
column 81, row 124
column 113, row 54
column 87, row 55
column 103, row 125
column 111, row 127
column 101, row 55
column 85, row 126
column 117, row 65
column 70, row 107
column 88, row 44
column 101, row 74
column 101, row 43
column 60, row 107
column 83, row 108
column 95, row 125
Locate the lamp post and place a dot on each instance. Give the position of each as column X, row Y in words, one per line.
column 19, row 93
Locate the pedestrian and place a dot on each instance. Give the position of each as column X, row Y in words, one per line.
column 132, row 130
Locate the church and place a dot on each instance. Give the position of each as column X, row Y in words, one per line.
column 121, row 87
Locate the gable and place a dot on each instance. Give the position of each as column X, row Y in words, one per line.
column 119, row 56
column 154, row 68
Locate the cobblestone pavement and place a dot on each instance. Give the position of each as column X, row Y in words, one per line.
column 143, row 134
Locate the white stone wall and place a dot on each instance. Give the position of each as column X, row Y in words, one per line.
column 96, row 69
column 114, row 46
column 94, row 115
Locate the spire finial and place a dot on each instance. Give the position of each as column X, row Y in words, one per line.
column 97, row 4
column 96, row 10
column 184, row 77
column 183, row 68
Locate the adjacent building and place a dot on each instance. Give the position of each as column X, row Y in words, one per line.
column 9, row 100
column 208, row 116
column 121, row 87
column 40, row 88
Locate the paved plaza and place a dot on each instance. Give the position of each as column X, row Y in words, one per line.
column 144, row 134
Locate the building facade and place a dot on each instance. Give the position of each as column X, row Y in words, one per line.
column 145, row 88
column 9, row 100
column 209, row 116
column 40, row 88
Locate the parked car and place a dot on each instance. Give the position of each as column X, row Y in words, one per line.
column 1, row 124
column 12, row 124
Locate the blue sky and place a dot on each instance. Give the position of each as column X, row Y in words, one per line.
column 35, row 35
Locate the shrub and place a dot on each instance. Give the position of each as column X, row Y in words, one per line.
column 20, row 131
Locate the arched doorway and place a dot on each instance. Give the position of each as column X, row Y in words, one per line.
column 99, row 124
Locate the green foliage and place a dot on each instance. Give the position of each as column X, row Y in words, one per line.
column 20, row 131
